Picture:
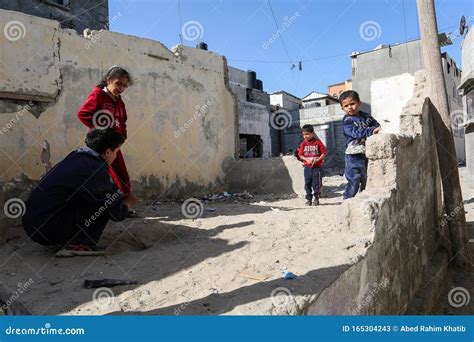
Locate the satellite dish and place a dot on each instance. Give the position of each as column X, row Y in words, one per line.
column 462, row 25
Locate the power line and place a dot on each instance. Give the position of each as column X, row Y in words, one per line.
column 180, row 22
column 277, row 28
column 289, row 61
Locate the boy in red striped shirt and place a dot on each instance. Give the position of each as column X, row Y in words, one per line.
column 312, row 152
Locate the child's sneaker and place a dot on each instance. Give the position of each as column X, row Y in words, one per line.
column 316, row 201
column 308, row 203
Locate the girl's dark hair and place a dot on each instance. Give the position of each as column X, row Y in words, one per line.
column 115, row 72
column 349, row 94
column 101, row 139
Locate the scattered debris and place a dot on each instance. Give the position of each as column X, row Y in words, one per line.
column 94, row 284
column 227, row 195
column 287, row 275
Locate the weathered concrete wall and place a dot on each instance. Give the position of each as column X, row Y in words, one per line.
column 402, row 208
column 254, row 119
column 281, row 175
column 239, row 77
column 182, row 118
column 467, row 55
column 30, row 65
column 469, row 130
column 387, row 109
column 253, row 107
column 371, row 65
column 467, row 87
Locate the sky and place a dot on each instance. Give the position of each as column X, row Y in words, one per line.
column 271, row 37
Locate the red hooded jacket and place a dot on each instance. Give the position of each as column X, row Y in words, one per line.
column 312, row 149
column 99, row 100
column 97, row 111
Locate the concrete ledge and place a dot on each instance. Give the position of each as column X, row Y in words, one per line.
column 282, row 175
column 381, row 146
column 402, row 208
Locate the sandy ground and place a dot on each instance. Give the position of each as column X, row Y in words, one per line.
column 187, row 266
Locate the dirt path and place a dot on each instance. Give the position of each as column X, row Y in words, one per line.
column 187, row 266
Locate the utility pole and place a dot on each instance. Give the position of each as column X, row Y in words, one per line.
column 453, row 201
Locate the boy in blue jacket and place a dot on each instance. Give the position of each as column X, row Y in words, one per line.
column 73, row 202
column 358, row 126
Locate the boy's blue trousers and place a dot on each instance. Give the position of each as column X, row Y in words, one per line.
column 312, row 182
column 356, row 174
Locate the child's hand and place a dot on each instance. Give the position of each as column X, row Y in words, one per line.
column 377, row 130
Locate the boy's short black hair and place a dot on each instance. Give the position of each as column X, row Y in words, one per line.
column 101, row 139
column 308, row 128
column 349, row 94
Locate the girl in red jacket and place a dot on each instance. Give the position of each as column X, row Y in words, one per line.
column 104, row 108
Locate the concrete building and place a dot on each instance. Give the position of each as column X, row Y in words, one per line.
column 336, row 89
column 74, row 14
column 316, row 99
column 254, row 114
column 284, row 100
column 317, row 109
column 288, row 105
column 466, row 89
column 385, row 79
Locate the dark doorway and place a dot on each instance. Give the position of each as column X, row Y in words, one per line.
column 250, row 146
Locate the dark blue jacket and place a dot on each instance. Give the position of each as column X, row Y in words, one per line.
column 358, row 128
column 81, row 181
